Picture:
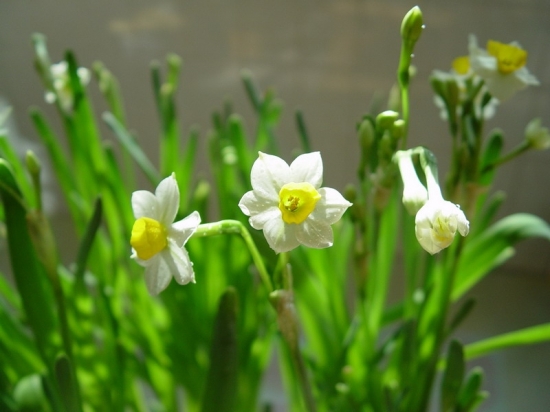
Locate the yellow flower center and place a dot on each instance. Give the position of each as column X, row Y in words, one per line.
column 148, row 237
column 461, row 65
column 509, row 57
column 297, row 201
column 444, row 230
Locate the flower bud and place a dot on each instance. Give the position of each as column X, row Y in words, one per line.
column 415, row 194
column 537, row 136
column 412, row 26
column 386, row 119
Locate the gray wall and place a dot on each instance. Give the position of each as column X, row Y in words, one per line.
column 328, row 58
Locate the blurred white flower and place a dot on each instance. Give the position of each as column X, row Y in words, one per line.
column 460, row 72
column 157, row 242
column 289, row 205
column 501, row 66
column 62, row 84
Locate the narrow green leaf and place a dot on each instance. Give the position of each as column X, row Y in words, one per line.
column 302, row 132
column 251, row 90
column 186, row 170
column 527, row 336
column 87, row 240
column 129, row 143
column 244, row 153
column 59, row 160
column 492, row 152
column 109, row 86
column 30, row 277
column 221, row 383
column 462, row 313
column 468, row 397
column 452, row 378
column 8, row 153
column 485, row 216
column 66, row 382
column 494, row 246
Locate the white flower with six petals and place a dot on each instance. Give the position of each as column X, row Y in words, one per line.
column 157, row 242
column 289, row 205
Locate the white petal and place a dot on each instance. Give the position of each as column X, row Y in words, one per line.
column 280, row 236
column 269, row 173
column 308, row 168
column 168, row 196
column 259, row 209
column 260, row 220
column 145, row 204
column 181, row 231
column 330, row 208
column 157, row 274
column 314, row 234
column 503, row 86
column 180, row 265
column 424, row 237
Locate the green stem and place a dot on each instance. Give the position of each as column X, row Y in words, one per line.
column 403, row 80
column 515, row 152
column 235, row 227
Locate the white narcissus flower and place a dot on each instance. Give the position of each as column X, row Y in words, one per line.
column 501, row 66
column 437, row 223
column 289, row 205
column 62, row 84
column 157, row 242
column 438, row 220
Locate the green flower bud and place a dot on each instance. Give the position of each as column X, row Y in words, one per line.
column 385, row 120
column 412, row 26
column 33, row 164
column 537, row 136
column 398, row 129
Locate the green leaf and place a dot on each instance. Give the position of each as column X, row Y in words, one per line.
column 30, row 277
column 469, row 395
column 492, row 152
column 87, row 240
column 58, row 158
column 66, row 381
column 462, row 313
column 302, row 132
column 452, row 378
column 527, row 336
column 494, row 246
column 129, row 143
column 221, row 383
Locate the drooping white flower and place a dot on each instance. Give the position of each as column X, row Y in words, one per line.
column 415, row 194
column 437, row 222
column 501, row 66
column 157, row 242
column 62, row 84
column 289, row 205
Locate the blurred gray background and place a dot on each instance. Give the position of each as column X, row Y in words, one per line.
column 328, row 58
